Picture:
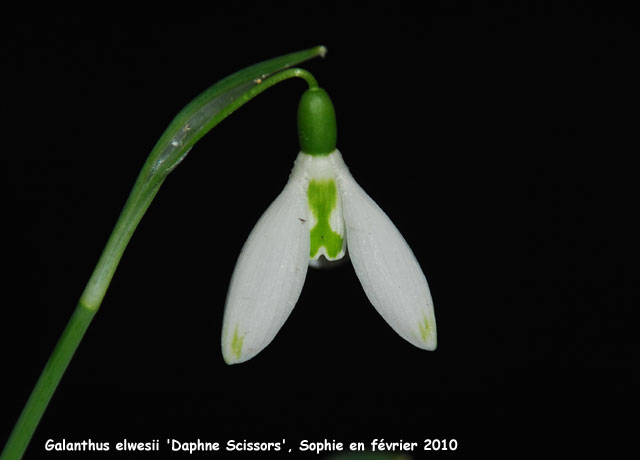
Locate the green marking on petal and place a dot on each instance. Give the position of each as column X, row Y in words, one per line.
column 323, row 196
column 236, row 343
column 425, row 328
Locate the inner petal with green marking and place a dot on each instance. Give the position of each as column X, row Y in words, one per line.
column 327, row 225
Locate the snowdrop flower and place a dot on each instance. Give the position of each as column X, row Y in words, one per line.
column 322, row 211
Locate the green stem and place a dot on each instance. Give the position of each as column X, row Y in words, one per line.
column 47, row 383
column 264, row 85
column 207, row 110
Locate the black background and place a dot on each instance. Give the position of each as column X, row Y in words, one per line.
column 494, row 138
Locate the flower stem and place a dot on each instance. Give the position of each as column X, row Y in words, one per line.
column 195, row 120
column 48, row 382
column 262, row 85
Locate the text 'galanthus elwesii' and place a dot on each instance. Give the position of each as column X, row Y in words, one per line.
column 322, row 211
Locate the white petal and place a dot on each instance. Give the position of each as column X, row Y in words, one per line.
column 388, row 270
column 268, row 276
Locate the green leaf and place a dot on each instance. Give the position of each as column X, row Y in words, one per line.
column 208, row 109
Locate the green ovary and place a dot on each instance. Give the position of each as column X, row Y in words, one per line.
column 323, row 197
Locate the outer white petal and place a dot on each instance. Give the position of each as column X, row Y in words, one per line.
column 269, row 274
column 388, row 270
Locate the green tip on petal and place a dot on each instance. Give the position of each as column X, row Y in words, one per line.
column 425, row 328
column 317, row 130
column 236, row 344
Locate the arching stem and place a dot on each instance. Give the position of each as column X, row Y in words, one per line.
column 193, row 122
